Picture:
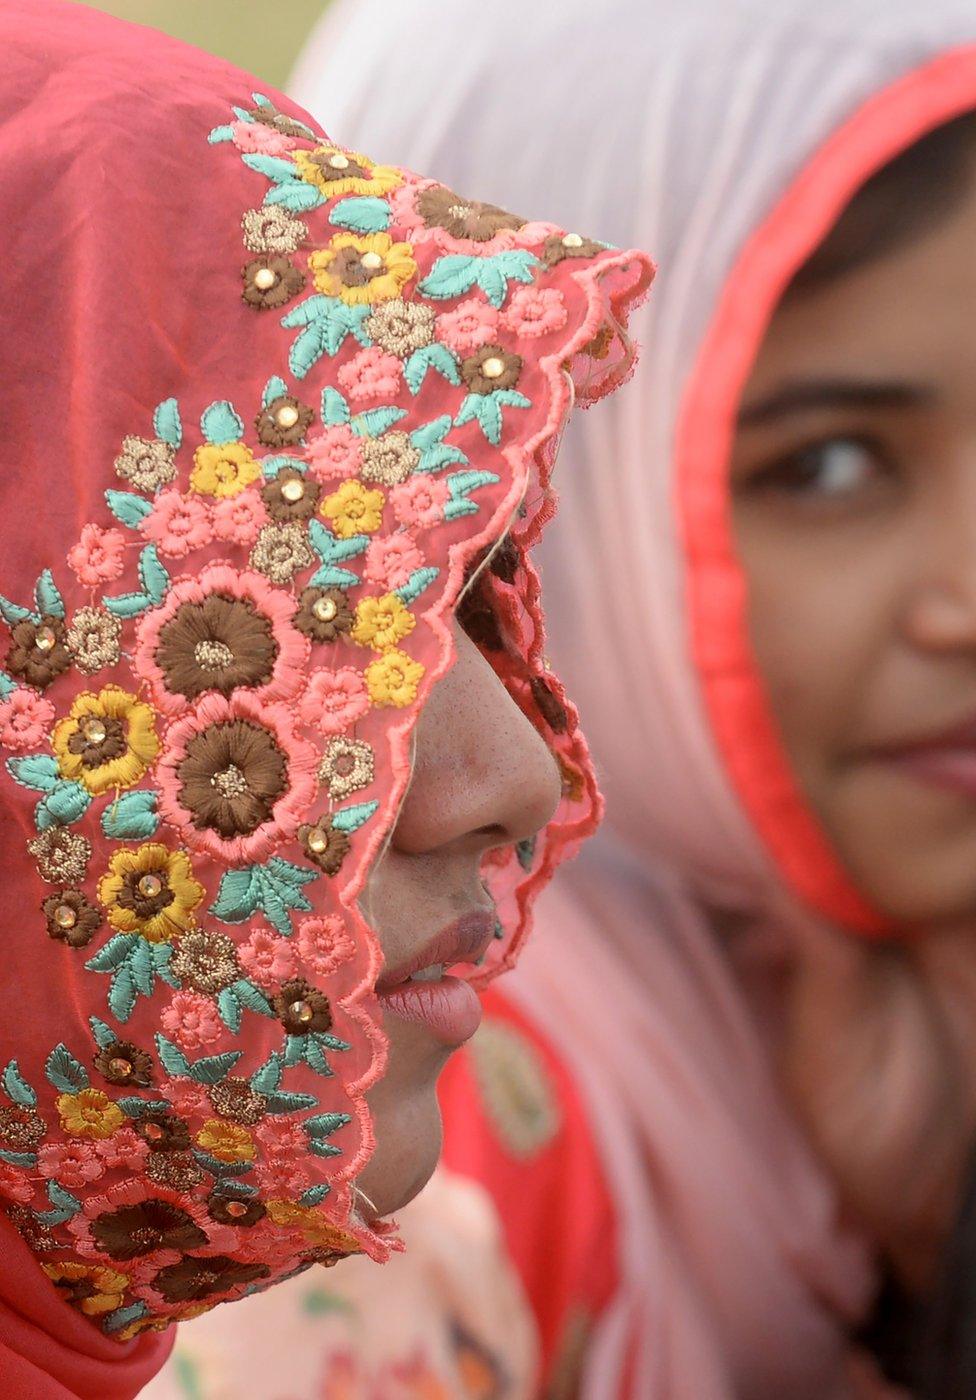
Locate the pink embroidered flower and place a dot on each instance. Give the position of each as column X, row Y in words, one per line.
column 372, row 374
column 225, row 631
column 14, row 1185
column 123, row 1149
column 235, row 779
column 177, row 524
column 425, row 212
column 99, row 556
column 324, row 944
column 334, row 452
column 239, row 519
column 334, row 700
column 72, row 1164
column 253, row 138
column 282, row 1180
column 391, row 560
column 25, row 720
column 282, row 1139
column 192, row 1020
column 268, row 959
column 470, row 325
column 533, row 311
column 137, row 1218
column 189, row 1100
column 420, row 501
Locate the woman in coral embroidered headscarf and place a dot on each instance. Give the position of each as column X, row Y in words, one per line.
column 759, row 978
column 245, row 478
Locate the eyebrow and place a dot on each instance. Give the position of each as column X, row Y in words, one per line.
column 804, row 395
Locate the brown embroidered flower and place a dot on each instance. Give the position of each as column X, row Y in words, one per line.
column 573, row 785
column 38, row 652
column 290, row 495
column 21, row 1129
column 569, row 245
column 324, row 845
column 347, row 766
column 283, row 422
column 491, row 368
column 323, row 614
column 93, row 639
column 505, row 561
column 401, row 327
column 440, row 207
column 140, row 1229
column 389, row 459
column 301, row 1009
column 71, row 918
column 164, row 1132
column 271, row 280
column 121, row 1062
column 268, row 115
column 599, row 347
column 207, row 962
column 177, row 1170
column 550, row 708
column 273, row 230
column 231, row 1210
column 234, row 1098
column 219, row 644
column 282, row 549
column 146, row 462
column 477, row 617
column 37, row 1235
column 192, row 1280
column 231, row 777
column 331, row 166
column 62, row 856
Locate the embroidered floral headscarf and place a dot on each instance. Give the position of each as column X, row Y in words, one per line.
column 266, row 405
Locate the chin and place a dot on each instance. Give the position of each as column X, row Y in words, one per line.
column 407, row 1124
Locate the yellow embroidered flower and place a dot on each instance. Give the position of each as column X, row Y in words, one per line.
column 90, row 1287
column 354, row 510
column 224, row 469
column 393, row 679
column 107, row 741
column 317, row 1230
column 382, row 622
column 362, row 269
column 160, row 1324
column 150, row 891
column 89, row 1113
column 335, row 172
column 228, row 1142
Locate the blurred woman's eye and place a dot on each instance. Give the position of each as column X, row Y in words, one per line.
column 830, row 472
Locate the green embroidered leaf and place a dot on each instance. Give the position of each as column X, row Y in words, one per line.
column 321, row 1148
column 325, row 1124
column 298, row 198
column 282, row 172
column 114, row 953
column 419, row 580
column 237, row 897
column 315, row 1195
column 330, row 576
column 332, row 1042
column 229, row 1010
column 275, row 388
column 103, row 1035
column 435, row 454
column 47, row 595
column 17, row 1087
column 167, row 424
column 63, row 1206
column 171, row 1057
column 39, row 772
column 133, row 966
column 376, row 421
column 218, row 1168
column 463, row 483
column 212, row 1069
column 13, row 612
column 271, row 466
column 64, row 1072
column 219, row 134
column 252, row 997
column 130, row 509
column 483, row 409
column 122, row 994
column 142, row 968
column 220, row 423
column 335, row 409
column 327, row 321
column 128, row 604
column 266, row 1079
column 525, row 851
column 19, row 1159
column 122, row 1317
column 289, row 1103
column 162, row 954
column 132, row 816
column 152, row 574
column 330, row 548
column 281, row 885
column 294, row 1050
column 454, row 274
column 138, row 1108
column 315, row 1057
column 362, row 215
column 260, row 100
column 435, row 356
column 352, row 818
column 67, row 802
column 451, row 276
column 7, row 685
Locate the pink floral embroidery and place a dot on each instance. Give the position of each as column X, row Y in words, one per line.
column 99, row 556
column 73, row 1164
column 268, row 959
column 221, row 1239
column 324, row 944
column 391, row 560
column 189, row 1100
column 25, row 720
column 239, row 519
column 470, row 325
column 14, row 1185
column 282, row 1138
column 420, row 501
column 282, row 1180
column 533, row 311
column 372, row 374
column 192, row 1020
column 334, row 700
column 123, row 1149
column 254, row 138
column 335, row 452
column 412, row 226
column 177, row 524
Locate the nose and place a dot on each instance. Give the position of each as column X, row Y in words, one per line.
column 941, row 612
column 482, row 775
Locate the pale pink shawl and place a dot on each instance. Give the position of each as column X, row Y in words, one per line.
column 682, row 125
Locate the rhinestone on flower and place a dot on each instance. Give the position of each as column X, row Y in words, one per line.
column 71, row 918
column 324, row 844
column 301, row 1009
column 323, row 614
column 271, row 280
column 121, row 1062
column 283, row 422
column 290, row 495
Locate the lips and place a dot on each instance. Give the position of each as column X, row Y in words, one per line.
column 464, row 941
column 417, row 989
column 945, row 759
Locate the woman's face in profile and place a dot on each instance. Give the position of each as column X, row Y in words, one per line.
column 854, row 498
column 482, row 778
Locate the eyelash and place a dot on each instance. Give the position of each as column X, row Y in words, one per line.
column 773, row 476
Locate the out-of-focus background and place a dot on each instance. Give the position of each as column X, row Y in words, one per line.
column 263, row 36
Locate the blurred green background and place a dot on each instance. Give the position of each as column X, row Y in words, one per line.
column 263, row 36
